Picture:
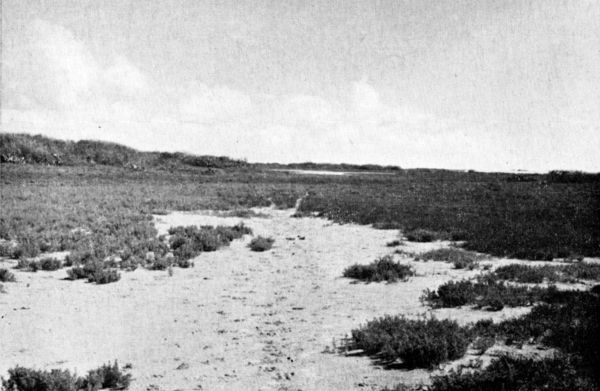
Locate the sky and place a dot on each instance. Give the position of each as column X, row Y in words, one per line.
column 485, row 85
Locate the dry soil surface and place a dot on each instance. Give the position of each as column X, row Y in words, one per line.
column 238, row 320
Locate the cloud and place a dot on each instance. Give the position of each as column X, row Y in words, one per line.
column 48, row 68
column 208, row 105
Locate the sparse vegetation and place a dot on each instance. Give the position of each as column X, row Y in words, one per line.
column 382, row 269
column 260, row 243
column 517, row 373
column 189, row 242
column 485, row 293
column 394, row 243
column 7, row 276
column 417, row 343
column 461, row 259
column 423, row 235
column 538, row 274
column 27, row 379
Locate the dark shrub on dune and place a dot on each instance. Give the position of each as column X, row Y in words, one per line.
column 382, row 269
column 260, row 243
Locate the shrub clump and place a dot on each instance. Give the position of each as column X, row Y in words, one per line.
column 189, row 242
column 489, row 294
column 517, row 373
column 7, row 276
column 538, row 274
column 461, row 259
column 382, row 269
column 27, row 379
column 417, row 343
column 260, row 243
column 94, row 271
column 423, row 235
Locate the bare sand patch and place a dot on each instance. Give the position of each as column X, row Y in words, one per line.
column 238, row 320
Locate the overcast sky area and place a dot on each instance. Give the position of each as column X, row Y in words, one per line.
column 486, row 85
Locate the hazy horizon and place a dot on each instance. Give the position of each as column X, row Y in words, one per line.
column 484, row 85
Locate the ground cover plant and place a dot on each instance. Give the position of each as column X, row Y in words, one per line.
column 108, row 376
column 382, row 269
column 260, row 243
column 65, row 207
column 461, row 259
column 517, row 373
column 7, row 276
column 537, row 274
column 416, row 343
column 486, row 293
column 189, row 242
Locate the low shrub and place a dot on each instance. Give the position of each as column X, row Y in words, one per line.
column 538, row 274
column 557, row 373
column 105, row 276
column 49, row 264
column 28, row 379
column 189, row 242
column 7, row 276
column 486, row 293
column 382, row 269
column 461, row 259
column 424, row 235
column 107, row 377
column 394, row 243
column 527, row 274
column 260, row 243
column 417, row 343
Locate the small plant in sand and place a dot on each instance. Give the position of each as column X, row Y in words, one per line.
column 394, row 243
column 260, row 243
column 416, row 343
column 423, row 235
column 461, row 259
column 382, row 269
column 7, row 276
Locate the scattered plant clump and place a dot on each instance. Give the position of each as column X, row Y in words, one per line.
column 94, row 271
column 382, row 269
column 417, row 343
column 486, row 293
column 538, row 274
column 189, row 242
column 260, row 243
column 461, row 259
column 527, row 274
column 7, row 276
column 394, row 243
column 556, row 373
column 27, row 379
column 423, row 235
column 49, row 264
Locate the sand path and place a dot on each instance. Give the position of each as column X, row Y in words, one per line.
column 238, row 320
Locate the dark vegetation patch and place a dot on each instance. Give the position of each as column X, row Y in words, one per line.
column 486, row 293
column 424, row 235
column 45, row 264
column 557, row 373
column 189, row 242
column 415, row 343
column 56, row 208
column 7, row 276
column 537, row 274
column 382, row 269
column 27, row 379
column 260, row 243
column 461, row 259
column 394, row 243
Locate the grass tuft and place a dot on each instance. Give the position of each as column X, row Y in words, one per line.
column 382, row 269
column 260, row 243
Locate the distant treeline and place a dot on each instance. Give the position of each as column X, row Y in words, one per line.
column 24, row 148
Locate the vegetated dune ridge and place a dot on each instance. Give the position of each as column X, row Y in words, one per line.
column 238, row 320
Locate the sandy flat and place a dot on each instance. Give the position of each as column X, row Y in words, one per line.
column 238, row 320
